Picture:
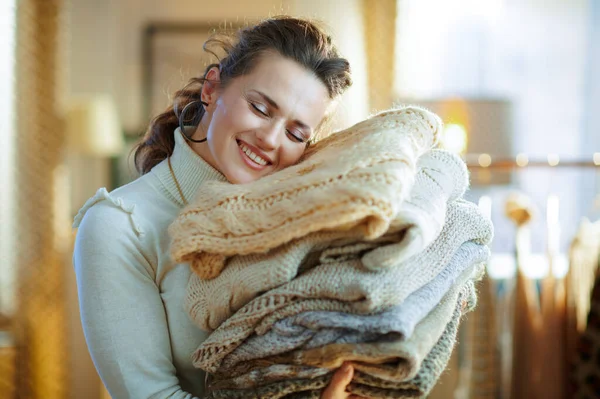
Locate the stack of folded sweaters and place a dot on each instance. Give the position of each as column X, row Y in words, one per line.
column 364, row 252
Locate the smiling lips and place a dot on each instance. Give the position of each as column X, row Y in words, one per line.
column 253, row 160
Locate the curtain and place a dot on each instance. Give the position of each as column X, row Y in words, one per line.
column 40, row 257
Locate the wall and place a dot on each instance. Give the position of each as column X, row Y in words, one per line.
column 113, row 64
column 346, row 23
column 106, row 42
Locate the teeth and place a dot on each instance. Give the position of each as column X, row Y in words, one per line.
column 252, row 155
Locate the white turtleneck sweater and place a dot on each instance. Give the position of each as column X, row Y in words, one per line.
column 130, row 293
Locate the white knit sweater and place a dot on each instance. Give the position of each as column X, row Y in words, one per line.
column 130, row 292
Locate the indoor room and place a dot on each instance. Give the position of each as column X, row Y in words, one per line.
column 299, row 199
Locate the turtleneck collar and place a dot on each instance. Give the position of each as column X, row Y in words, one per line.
column 190, row 170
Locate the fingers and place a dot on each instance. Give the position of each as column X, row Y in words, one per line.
column 343, row 375
column 337, row 387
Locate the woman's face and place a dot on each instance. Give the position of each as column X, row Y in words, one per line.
column 260, row 122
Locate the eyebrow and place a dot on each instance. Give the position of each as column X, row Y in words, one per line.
column 273, row 104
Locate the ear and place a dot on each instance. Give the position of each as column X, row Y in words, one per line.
column 211, row 85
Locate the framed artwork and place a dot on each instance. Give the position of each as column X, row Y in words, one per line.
column 172, row 54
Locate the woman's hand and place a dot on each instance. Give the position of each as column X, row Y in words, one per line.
column 340, row 380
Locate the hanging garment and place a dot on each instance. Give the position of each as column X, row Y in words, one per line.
column 579, row 281
column 586, row 370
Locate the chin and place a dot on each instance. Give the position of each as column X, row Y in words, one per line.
column 237, row 177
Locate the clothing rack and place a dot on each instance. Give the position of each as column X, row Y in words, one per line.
column 485, row 161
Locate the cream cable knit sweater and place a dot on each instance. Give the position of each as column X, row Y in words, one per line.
column 354, row 181
column 353, row 288
column 441, row 177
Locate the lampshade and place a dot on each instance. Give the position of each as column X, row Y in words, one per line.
column 93, row 127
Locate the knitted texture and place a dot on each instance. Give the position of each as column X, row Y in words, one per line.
column 307, row 382
column 441, row 178
column 356, row 289
column 353, row 180
column 316, row 328
column 392, row 358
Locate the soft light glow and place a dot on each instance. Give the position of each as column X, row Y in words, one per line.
column 560, row 265
column 552, row 217
column 501, row 266
column 8, row 216
column 553, row 159
column 522, row 160
column 552, row 207
column 485, row 206
column 485, row 160
column 597, row 158
column 454, row 138
column 535, row 266
column 93, row 126
column 523, row 240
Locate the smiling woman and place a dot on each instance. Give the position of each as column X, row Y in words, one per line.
column 277, row 108
column 251, row 114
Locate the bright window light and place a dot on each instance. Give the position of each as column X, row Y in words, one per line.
column 7, row 134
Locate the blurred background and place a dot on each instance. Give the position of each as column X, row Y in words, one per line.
column 516, row 83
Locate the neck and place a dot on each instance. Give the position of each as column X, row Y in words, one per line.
column 202, row 149
column 190, row 168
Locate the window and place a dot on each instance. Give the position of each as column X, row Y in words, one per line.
column 7, row 130
column 534, row 54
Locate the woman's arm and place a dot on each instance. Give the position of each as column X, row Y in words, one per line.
column 121, row 309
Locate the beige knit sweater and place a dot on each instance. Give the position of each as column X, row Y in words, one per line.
column 441, row 178
column 350, row 184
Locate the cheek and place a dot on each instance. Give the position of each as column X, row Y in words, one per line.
column 232, row 118
column 221, row 131
column 291, row 155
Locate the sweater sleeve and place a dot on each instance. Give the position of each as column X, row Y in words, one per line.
column 122, row 312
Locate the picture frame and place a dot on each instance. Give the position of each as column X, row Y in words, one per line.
column 173, row 53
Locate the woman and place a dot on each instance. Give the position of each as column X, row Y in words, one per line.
column 253, row 113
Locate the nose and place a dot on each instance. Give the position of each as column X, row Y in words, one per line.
column 268, row 137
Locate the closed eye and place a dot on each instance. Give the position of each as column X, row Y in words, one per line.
column 295, row 136
column 259, row 108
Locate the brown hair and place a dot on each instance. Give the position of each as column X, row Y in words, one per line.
column 297, row 39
